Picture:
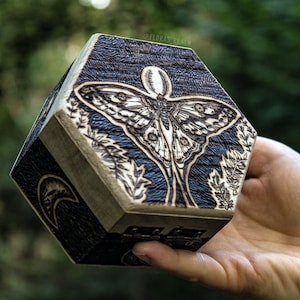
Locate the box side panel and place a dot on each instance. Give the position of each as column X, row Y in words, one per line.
column 56, row 202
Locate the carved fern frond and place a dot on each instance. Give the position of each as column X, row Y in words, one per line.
column 225, row 186
column 233, row 166
column 134, row 181
column 108, row 150
column 220, row 191
column 82, row 119
column 246, row 135
column 72, row 107
column 127, row 172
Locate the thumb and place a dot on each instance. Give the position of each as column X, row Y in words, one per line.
column 193, row 266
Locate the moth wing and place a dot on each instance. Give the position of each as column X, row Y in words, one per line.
column 154, row 141
column 184, row 146
column 122, row 104
column 196, row 119
column 131, row 109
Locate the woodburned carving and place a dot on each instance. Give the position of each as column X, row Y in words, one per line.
column 137, row 141
column 51, row 191
column 173, row 132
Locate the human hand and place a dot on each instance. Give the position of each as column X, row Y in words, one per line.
column 258, row 252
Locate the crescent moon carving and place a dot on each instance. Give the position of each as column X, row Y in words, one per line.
column 51, row 191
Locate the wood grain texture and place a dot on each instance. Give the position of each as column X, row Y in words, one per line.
column 137, row 141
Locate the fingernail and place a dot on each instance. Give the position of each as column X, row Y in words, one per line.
column 144, row 258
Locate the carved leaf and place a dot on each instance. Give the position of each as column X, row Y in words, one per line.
column 134, row 181
column 72, row 107
column 109, row 151
column 220, row 191
column 233, row 166
column 246, row 135
column 129, row 174
column 225, row 186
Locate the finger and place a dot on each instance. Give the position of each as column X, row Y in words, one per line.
column 261, row 155
column 193, row 266
column 266, row 151
column 269, row 158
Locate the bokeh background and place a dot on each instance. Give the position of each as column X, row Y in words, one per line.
column 251, row 46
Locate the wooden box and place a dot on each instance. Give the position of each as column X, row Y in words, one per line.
column 138, row 141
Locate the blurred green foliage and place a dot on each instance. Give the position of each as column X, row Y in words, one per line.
column 252, row 47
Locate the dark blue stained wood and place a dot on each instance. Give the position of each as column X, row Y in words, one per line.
column 119, row 63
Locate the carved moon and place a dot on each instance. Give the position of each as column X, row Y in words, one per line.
column 51, row 191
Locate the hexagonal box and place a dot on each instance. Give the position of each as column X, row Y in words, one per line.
column 138, row 141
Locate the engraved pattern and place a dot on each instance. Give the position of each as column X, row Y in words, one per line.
column 127, row 172
column 51, row 191
column 225, row 186
column 172, row 132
